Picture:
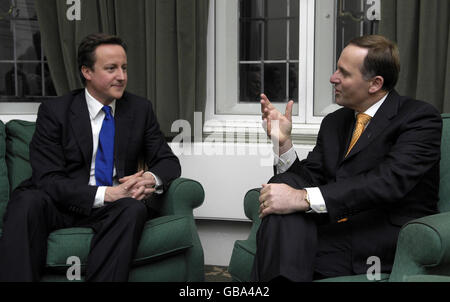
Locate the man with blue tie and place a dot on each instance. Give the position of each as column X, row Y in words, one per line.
column 85, row 155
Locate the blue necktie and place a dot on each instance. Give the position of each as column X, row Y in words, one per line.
column 104, row 160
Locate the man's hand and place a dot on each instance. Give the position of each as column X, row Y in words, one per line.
column 282, row 133
column 144, row 187
column 137, row 186
column 281, row 199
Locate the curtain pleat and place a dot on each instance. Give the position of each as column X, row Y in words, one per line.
column 421, row 29
column 166, row 49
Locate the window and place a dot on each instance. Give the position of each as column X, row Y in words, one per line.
column 268, row 50
column 24, row 71
column 285, row 48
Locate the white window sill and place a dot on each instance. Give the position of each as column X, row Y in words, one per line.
column 249, row 129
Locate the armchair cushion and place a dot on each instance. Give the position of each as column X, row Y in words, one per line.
column 163, row 236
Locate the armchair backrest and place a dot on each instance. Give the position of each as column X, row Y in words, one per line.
column 444, row 185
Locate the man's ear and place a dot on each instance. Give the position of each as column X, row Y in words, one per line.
column 376, row 84
column 86, row 71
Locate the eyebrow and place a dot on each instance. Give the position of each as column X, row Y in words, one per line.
column 343, row 70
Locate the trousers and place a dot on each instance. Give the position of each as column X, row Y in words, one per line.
column 301, row 247
column 31, row 216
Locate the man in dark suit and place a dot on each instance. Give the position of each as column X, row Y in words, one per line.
column 84, row 157
column 375, row 167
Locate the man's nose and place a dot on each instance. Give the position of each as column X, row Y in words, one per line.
column 334, row 79
column 121, row 74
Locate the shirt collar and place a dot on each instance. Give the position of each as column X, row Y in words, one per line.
column 95, row 106
column 374, row 108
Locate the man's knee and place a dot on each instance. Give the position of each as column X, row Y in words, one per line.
column 134, row 209
column 24, row 203
column 290, row 179
column 279, row 225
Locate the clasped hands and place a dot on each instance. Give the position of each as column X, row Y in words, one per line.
column 138, row 186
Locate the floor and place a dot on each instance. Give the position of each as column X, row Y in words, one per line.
column 215, row 273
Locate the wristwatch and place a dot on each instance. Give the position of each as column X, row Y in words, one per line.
column 307, row 200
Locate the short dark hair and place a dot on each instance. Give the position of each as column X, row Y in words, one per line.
column 87, row 47
column 383, row 59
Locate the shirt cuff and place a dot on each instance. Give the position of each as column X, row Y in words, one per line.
column 99, row 200
column 158, row 183
column 316, row 200
column 285, row 160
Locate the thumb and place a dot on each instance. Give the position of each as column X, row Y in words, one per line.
column 288, row 113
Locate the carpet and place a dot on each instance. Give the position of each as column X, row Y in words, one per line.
column 214, row 273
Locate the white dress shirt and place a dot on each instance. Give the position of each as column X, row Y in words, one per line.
column 97, row 116
column 285, row 161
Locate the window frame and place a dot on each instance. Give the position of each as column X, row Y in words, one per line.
column 305, row 123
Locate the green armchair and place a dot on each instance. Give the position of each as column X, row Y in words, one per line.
column 423, row 246
column 169, row 250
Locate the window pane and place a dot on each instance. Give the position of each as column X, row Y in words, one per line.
column 293, row 82
column 294, row 39
column 275, row 40
column 250, row 82
column 276, row 8
column 29, row 79
column 250, row 41
column 7, row 84
column 294, row 8
column 49, row 87
column 251, row 8
column 28, row 40
column 275, row 82
column 6, row 37
column 351, row 23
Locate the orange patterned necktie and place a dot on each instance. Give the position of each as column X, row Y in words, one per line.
column 361, row 121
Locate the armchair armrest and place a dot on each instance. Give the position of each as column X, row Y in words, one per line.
column 182, row 197
column 251, row 209
column 427, row 278
column 423, row 248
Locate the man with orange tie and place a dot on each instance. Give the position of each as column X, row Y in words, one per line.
column 375, row 167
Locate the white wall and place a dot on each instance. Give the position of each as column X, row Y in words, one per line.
column 226, row 178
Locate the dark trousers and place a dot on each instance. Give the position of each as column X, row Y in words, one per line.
column 301, row 247
column 31, row 217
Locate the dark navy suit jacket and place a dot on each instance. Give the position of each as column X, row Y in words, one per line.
column 390, row 177
column 61, row 148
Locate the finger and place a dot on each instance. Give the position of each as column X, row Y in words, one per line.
column 288, row 113
column 264, row 213
column 145, row 194
column 261, row 208
column 269, row 127
column 148, row 183
column 127, row 178
column 124, row 179
column 264, row 188
column 266, row 101
column 138, row 193
column 128, row 185
column 149, row 191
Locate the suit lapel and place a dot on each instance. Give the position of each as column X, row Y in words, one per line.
column 81, row 126
column 378, row 123
column 123, row 122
